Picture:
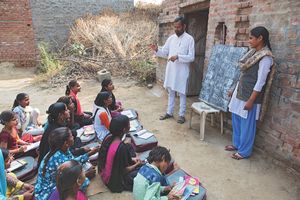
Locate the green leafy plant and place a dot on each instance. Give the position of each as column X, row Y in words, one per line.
column 145, row 70
column 48, row 61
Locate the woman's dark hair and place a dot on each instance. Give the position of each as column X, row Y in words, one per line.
column 99, row 101
column 180, row 19
column 56, row 140
column 116, row 128
column 159, row 154
column 67, row 175
column 71, row 84
column 118, row 124
column 104, row 84
column 6, row 116
column 5, row 153
column 65, row 99
column 54, row 110
column 261, row 31
column 19, row 97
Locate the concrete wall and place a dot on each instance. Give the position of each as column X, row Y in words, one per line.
column 16, row 33
column 279, row 135
column 52, row 19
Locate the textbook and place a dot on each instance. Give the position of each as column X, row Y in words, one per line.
column 88, row 130
column 128, row 113
column 134, row 124
column 32, row 146
column 187, row 186
column 144, row 134
column 16, row 164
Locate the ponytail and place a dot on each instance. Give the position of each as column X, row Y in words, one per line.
column 268, row 45
column 71, row 84
column 19, row 97
column 16, row 103
column 67, row 90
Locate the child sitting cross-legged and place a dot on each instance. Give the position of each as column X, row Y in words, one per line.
column 9, row 138
column 150, row 183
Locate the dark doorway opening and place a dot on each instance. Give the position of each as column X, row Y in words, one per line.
column 197, row 27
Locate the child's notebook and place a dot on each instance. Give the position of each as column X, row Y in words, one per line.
column 16, row 164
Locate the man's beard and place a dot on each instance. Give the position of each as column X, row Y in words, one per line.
column 179, row 33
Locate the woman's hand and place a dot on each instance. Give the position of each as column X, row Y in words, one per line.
column 22, row 149
column 93, row 151
column 28, row 195
column 138, row 162
column 153, row 47
column 27, row 186
column 172, row 197
column 249, row 104
column 119, row 109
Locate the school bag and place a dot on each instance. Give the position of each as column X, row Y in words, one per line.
column 28, row 170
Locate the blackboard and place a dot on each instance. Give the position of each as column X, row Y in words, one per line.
column 222, row 73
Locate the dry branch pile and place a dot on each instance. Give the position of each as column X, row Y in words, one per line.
column 117, row 42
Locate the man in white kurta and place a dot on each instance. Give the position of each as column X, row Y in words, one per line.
column 179, row 49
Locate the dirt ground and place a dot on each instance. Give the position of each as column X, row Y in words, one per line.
column 223, row 177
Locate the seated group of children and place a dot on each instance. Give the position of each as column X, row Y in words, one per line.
column 62, row 156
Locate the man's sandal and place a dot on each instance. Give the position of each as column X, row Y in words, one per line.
column 237, row 156
column 230, row 148
column 166, row 116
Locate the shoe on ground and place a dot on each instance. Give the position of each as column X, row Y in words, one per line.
column 181, row 120
column 166, row 116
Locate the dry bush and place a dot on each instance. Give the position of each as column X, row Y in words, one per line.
column 117, row 42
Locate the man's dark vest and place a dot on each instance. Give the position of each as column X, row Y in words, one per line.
column 247, row 82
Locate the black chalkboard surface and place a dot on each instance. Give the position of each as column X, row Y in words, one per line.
column 222, row 73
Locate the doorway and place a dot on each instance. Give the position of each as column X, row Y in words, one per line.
column 197, row 27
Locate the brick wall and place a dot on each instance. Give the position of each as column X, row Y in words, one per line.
column 16, row 34
column 52, row 19
column 279, row 134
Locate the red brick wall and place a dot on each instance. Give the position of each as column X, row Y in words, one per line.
column 279, row 135
column 17, row 43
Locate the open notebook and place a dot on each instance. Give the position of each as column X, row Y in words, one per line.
column 16, row 164
column 144, row 134
column 32, row 146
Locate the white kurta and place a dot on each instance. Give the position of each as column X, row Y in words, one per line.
column 177, row 72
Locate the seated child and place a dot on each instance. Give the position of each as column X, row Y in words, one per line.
column 70, row 176
column 150, row 182
column 80, row 117
column 58, row 116
column 101, row 115
column 9, row 138
column 115, row 163
column 60, row 141
column 71, row 107
column 116, row 106
column 16, row 189
column 27, row 116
